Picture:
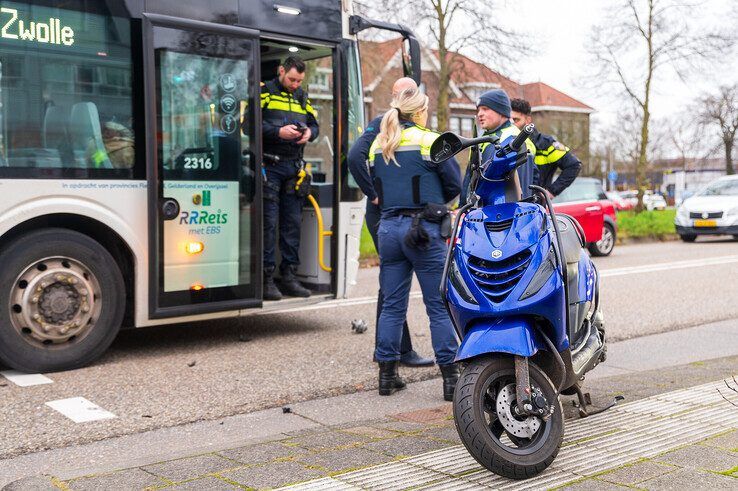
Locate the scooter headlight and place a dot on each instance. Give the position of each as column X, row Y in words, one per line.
column 454, row 275
column 547, row 267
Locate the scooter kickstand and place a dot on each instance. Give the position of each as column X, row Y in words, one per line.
column 584, row 402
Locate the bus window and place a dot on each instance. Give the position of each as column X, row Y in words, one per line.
column 355, row 119
column 65, row 90
column 319, row 152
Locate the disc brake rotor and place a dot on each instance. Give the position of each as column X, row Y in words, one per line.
column 521, row 428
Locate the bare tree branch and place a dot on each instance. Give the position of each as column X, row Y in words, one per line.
column 453, row 26
column 655, row 35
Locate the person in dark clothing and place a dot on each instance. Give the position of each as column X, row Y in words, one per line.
column 288, row 123
column 357, row 161
column 550, row 154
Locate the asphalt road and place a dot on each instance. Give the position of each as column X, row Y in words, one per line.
column 160, row 377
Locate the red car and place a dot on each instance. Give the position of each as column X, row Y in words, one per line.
column 587, row 202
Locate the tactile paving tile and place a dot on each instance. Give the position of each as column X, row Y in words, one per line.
column 605, row 441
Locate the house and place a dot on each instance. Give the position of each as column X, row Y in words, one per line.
column 554, row 112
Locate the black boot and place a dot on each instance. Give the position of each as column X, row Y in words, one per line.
column 450, row 377
column 413, row 359
column 389, row 379
column 271, row 292
column 290, row 286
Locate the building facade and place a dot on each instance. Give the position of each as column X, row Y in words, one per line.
column 554, row 112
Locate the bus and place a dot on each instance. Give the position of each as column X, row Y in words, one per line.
column 131, row 164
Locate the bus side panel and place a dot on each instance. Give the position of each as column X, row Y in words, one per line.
column 351, row 217
column 120, row 205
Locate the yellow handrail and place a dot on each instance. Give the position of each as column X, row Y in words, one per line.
column 321, row 234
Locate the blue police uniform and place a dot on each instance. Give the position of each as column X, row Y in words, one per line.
column 404, row 186
column 526, row 174
column 358, row 156
column 551, row 155
column 279, row 108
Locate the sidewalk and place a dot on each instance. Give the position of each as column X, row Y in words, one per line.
column 680, row 434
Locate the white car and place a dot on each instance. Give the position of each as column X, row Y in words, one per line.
column 711, row 211
column 653, row 201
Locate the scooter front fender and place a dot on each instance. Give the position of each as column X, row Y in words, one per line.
column 513, row 335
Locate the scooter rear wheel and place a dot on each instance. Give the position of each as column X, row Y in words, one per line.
column 490, row 437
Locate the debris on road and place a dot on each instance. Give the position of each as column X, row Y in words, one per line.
column 359, row 326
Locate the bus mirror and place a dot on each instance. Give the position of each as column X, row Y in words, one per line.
column 411, row 58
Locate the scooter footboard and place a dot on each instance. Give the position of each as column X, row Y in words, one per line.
column 513, row 335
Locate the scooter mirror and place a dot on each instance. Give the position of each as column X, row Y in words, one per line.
column 446, row 146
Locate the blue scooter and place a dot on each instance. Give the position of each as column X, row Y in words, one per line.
column 523, row 296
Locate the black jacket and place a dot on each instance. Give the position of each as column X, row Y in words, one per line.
column 280, row 107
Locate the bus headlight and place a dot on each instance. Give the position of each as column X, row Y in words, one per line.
column 547, row 267
column 194, row 247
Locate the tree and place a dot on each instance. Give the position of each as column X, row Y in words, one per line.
column 642, row 38
column 721, row 111
column 452, row 25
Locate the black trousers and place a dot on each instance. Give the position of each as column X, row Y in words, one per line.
column 373, row 214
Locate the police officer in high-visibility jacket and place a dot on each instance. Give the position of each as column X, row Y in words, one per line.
column 288, row 123
column 358, row 156
column 493, row 116
column 412, row 193
column 550, row 155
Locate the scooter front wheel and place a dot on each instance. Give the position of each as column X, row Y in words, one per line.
column 506, row 444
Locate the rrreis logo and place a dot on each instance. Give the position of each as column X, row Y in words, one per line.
column 51, row 32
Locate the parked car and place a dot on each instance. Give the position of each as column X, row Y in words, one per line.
column 620, row 203
column 587, row 202
column 653, row 201
column 711, row 211
column 630, row 196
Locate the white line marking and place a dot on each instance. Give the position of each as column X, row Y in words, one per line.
column 25, row 379
column 605, row 273
column 650, row 268
column 80, row 410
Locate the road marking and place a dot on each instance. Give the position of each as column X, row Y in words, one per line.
column 650, row 268
column 80, row 410
column 623, row 435
column 25, row 379
column 605, row 273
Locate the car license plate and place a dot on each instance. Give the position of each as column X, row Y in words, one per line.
column 705, row 223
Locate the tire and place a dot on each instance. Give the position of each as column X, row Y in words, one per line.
column 485, row 438
column 78, row 308
column 606, row 244
column 688, row 237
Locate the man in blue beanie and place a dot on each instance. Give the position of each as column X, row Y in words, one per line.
column 493, row 115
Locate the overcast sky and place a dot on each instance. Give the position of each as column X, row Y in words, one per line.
column 562, row 29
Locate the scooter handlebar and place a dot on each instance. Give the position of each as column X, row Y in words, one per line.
column 522, row 136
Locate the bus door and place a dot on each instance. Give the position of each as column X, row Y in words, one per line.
column 204, row 185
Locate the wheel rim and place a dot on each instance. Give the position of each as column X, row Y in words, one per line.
column 498, row 393
column 55, row 301
column 607, row 241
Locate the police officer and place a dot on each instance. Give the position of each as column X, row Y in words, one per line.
column 493, row 115
column 408, row 186
column 550, row 155
column 357, row 159
column 288, row 123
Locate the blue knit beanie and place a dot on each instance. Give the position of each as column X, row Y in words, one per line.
column 497, row 100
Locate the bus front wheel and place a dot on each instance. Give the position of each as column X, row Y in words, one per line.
column 63, row 299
